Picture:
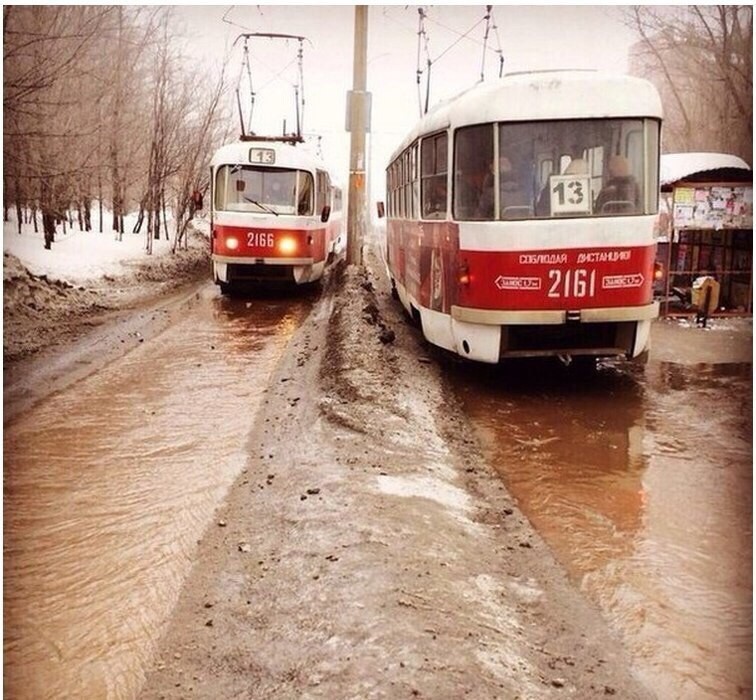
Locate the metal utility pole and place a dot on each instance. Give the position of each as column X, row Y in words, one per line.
column 358, row 116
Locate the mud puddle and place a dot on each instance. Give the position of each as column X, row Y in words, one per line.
column 109, row 485
column 642, row 487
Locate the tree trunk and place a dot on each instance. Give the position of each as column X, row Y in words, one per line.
column 19, row 211
column 165, row 220
column 157, row 220
column 116, row 185
column 99, row 196
column 48, row 224
column 140, row 217
column 48, row 214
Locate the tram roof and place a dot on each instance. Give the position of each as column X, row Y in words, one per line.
column 287, row 156
column 543, row 95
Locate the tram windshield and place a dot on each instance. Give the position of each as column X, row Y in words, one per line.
column 556, row 169
column 263, row 189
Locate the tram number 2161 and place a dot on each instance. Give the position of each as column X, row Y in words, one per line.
column 572, row 283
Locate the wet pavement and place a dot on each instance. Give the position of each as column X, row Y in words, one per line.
column 109, row 485
column 641, row 484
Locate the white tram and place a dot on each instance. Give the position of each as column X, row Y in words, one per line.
column 521, row 217
column 275, row 214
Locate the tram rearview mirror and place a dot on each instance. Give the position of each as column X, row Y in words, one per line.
column 325, row 214
column 381, row 207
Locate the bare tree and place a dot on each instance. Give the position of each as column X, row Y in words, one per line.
column 701, row 60
column 196, row 143
column 43, row 54
column 98, row 105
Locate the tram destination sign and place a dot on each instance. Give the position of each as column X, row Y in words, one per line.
column 266, row 156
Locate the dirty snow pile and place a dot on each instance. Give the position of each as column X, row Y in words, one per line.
column 51, row 295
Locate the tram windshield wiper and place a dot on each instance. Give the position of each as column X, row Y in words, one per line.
column 262, row 206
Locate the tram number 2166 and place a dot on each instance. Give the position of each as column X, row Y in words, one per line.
column 572, row 283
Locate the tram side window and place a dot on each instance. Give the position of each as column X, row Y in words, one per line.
column 474, row 172
column 304, row 193
column 395, row 189
column 415, row 214
column 433, row 159
column 323, row 182
column 390, row 189
column 400, row 189
column 407, row 186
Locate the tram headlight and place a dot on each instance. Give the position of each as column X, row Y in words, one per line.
column 232, row 243
column 287, row 245
column 658, row 271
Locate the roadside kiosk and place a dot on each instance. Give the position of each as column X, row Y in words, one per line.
column 706, row 233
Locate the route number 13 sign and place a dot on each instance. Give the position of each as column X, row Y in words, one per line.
column 570, row 194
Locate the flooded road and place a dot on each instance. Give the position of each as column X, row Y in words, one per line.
column 109, row 485
column 642, row 487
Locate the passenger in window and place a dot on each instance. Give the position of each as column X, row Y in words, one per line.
column 513, row 201
column 485, row 208
column 434, row 202
column 621, row 193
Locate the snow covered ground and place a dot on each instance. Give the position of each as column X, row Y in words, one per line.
column 79, row 256
column 53, row 296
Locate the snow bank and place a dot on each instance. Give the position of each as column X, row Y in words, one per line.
column 80, row 256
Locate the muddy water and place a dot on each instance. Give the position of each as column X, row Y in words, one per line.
column 642, row 486
column 109, row 485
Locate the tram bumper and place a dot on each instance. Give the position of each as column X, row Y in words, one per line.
column 239, row 269
column 492, row 335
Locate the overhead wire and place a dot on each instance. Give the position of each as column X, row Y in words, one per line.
column 461, row 36
column 454, row 31
column 297, row 84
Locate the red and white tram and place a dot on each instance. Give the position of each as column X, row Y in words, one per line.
column 275, row 214
column 521, row 217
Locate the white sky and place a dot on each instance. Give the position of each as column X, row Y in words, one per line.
column 532, row 37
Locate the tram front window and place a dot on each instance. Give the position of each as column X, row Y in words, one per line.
column 260, row 190
column 556, row 169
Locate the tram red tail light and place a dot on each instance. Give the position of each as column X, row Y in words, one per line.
column 463, row 274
